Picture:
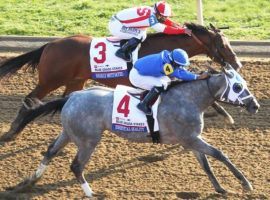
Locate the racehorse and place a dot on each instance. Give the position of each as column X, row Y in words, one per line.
column 65, row 62
column 180, row 117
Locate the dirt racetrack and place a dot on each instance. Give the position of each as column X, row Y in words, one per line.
column 122, row 170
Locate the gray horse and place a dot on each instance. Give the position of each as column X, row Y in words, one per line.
column 180, row 117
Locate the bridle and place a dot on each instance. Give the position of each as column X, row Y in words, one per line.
column 214, row 54
column 220, row 98
column 224, row 95
column 219, row 46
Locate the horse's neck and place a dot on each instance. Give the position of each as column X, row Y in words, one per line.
column 195, row 93
column 156, row 43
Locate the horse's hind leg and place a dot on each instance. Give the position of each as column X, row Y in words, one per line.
column 203, row 147
column 83, row 155
column 207, row 168
column 52, row 151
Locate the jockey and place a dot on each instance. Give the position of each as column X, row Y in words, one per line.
column 154, row 73
column 131, row 24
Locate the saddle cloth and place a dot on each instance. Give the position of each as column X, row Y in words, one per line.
column 126, row 117
column 104, row 64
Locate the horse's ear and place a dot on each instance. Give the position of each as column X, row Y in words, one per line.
column 213, row 28
column 226, row 72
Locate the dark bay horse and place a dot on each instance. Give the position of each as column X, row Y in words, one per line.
column 180, row 123
column 65, row 62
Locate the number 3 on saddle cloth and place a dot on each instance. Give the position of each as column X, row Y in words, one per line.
column 104, row 63
column 126, row 117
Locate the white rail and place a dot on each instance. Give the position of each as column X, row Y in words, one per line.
column 18, row 44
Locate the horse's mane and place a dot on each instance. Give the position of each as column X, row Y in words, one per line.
column 196, row 28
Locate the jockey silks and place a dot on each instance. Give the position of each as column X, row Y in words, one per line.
column 158, row 65
column 144, row 17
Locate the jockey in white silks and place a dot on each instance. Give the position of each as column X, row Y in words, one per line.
column 132, row 24
column 154, row 73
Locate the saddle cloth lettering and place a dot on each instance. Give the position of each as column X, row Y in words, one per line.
column 126, row 117
column 104, row 64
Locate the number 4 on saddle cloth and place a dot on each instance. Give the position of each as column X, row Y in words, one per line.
column 104, row 63
column 128, row 118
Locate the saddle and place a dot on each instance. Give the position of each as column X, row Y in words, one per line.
column 103, row 62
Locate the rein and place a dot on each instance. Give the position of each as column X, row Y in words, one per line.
column 216, row 55
column 200, row 42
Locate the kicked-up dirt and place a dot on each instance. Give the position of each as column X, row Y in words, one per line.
column 123, row 170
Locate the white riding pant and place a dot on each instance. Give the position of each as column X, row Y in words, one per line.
column 117, row 29
column 148, row 82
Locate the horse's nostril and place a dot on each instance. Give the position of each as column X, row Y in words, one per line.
column 254, row 105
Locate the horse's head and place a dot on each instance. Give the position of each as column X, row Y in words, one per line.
column 216, row 44
column 235, row 91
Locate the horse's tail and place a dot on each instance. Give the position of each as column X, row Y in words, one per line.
column 31, row 59
column 45, row 109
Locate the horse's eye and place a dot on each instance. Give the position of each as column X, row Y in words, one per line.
column 237, row 87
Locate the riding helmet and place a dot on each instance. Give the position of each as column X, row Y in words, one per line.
column 179, row 57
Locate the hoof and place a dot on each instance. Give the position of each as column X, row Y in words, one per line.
column 247, row 187
column 221, row 190
column 229, row 120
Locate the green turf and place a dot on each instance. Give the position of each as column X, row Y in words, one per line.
column 247, row 19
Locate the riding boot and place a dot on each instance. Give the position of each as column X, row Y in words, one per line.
column 125, row 52
column 144, row 104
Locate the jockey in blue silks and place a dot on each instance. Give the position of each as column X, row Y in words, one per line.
column 154, row 72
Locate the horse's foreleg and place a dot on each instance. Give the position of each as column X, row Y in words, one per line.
column 84, row 153
column 201, row 146
column 223, row 112
column 52, row 151
column 207, row 168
